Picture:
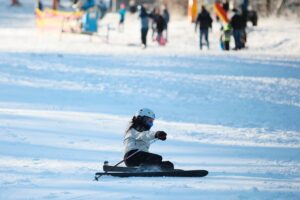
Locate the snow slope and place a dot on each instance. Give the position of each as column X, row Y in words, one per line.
column 64, row 106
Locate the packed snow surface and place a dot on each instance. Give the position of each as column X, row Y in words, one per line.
column 66, row 100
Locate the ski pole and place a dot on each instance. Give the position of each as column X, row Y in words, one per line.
column 131, row 155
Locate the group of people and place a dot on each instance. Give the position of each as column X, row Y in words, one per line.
column 157, row 20
column 236, row 28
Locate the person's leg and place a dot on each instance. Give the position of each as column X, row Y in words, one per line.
column 143, row 36
column 236, row 38
column 227, row 45
column 159, row 37
column 146, row 33
column 141, row 157
column 201, row 35
column 167, row 36
column 147, row 159
column 154, row 160
column 132, row 160
column 150, row 158
column 206, row 37
column 243, row 38
column 167, row 166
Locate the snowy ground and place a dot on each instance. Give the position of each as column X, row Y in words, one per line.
column 65, row 103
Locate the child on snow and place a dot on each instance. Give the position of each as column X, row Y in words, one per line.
column 137, row 141
column 225, row 37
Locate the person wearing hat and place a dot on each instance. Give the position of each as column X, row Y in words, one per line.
column 137, row 141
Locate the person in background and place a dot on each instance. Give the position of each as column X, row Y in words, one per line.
column 160, row 27
column 166, row 16
column 154, row 17
column 225, row 5
column 226, row 32
column 244, row 23
column 144, row 16
column 205, row 21
column 137, row 141
column 122, row 13
column 102, row 9
column 132, row 6
column 237, row 25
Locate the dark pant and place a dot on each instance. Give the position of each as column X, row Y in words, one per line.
column 144, row 32
column 237, row 35
column 146, row 158
column 204, row 33
column 226, row 46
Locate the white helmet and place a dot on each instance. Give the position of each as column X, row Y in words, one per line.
column 146, row 112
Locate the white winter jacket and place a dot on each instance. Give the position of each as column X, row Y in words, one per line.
column 138, row 140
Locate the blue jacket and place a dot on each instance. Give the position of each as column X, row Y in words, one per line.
column 144, row 18
column 122, row 13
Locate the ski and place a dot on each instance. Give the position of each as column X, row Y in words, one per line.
column 146, row 171
column 174, row 173
column 109, row 168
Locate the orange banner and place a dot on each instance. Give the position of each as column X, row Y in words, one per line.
column 193, row 10
column 221, row 13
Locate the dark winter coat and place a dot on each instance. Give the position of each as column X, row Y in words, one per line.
column 160, row 23
column 237, row 22
column 204, row 20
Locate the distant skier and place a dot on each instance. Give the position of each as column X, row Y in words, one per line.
column 137, row 139
column 205, row 21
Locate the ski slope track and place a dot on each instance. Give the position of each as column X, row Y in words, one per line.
column 63, row 112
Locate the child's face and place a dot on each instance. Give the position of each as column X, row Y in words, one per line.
column 149, row 122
